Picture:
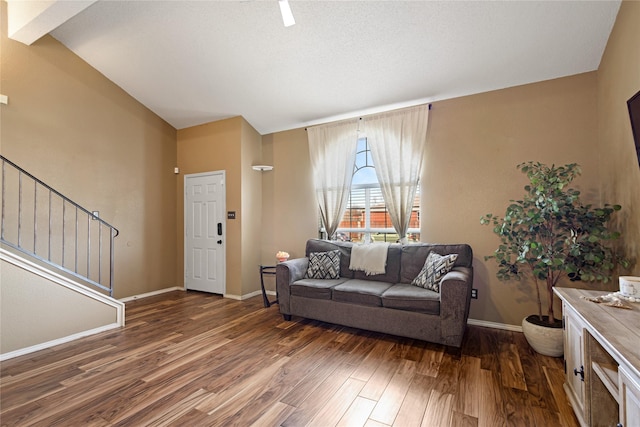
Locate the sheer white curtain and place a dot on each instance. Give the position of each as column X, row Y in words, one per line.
column 332, row 149
column 397, row 140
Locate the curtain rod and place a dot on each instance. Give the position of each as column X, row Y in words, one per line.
column 360, row 118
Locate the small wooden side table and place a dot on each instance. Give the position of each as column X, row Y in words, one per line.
column 267, row 269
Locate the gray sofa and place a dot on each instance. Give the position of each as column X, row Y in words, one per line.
column 386, row 303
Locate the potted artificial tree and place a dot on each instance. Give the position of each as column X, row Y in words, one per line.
column 550, row 234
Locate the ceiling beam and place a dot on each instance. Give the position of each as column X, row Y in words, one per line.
column 30, row 20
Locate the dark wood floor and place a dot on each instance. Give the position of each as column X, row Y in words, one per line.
column 193, row 359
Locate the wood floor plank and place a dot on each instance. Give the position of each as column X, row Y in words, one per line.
column 372, row 360
column 469, row 382
column 463, row 420
column 415, row 402
column 314, row 378
column 555, row 380
column 543, row 417
column 358, row 413
column 448, row 375
column 516, row 407
column 510, row 367
column 489, row 342
column 21, row 378
column 176, row 411
column 439, row 409
column 337, row 405
column 491, row 410
column 196, row 359
column 57, row 407
column 537, row 386
column 430, row 361
column 228, row 401
column 373, row 423
column 274, row 416
column 178, row 360
column 391, row 399
column 378, row 382
column 316, row 400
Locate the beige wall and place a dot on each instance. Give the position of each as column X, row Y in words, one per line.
column 234, row 146
column 619, row 80
column 80, row 133
column 251, row 219
column 474, row 145
column 290, row 216
column 34, row 310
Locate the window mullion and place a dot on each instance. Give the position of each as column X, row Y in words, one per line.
column 367, row 214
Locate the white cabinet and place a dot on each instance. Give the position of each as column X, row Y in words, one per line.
column 629, row 399
column 574, row 361
column 602, row 360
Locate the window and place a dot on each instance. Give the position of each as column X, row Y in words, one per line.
column 366, row 218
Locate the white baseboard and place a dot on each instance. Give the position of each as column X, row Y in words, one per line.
column 150, row 294
column 55, row 342
column 242, row 297
column 494, row 325
column 177, row 288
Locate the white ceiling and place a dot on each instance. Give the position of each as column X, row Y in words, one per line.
column 193, row 62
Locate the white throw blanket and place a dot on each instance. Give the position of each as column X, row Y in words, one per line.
column 372, row 258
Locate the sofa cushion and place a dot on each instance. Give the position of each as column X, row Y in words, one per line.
column 415, row 254
column 363, row 292
column 411, row 298
column 434, row 268
column 392, row 270
column 315, row 288
column 323, row 265
column 317, row 245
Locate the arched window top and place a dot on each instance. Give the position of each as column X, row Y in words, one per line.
column 364, row 171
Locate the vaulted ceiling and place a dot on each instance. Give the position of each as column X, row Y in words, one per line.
column 193, row 62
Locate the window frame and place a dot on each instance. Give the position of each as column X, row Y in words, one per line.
column 367, row 231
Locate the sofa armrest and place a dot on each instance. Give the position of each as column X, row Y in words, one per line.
column 455, row 299
column 286, row 273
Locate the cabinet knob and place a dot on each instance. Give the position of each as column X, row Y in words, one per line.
column 581, row 372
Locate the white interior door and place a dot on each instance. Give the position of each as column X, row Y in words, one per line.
column 204, row 227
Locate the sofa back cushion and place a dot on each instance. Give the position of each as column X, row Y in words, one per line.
column 392, row 274
column 317, row 245
column 404, row 262
column 415, row 254
column 392, row 269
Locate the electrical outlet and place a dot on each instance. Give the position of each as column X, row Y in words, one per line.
column 474, row 293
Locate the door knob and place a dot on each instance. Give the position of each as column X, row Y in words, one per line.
column 219, row 242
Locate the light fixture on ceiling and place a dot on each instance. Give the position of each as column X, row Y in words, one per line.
column 262, row 168
column 287, row 15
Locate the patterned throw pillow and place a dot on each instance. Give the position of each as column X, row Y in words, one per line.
column 434, row 268
column 324, row 265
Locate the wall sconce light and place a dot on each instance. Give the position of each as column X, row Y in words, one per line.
column 262, row 168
